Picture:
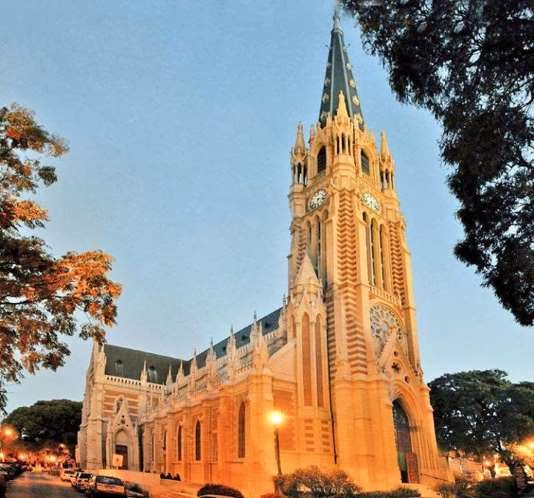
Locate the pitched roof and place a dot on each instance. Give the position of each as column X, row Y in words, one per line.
column 268, row 323
column 133, row 360
column 339, row 77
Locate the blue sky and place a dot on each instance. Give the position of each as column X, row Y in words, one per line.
column 180, row 116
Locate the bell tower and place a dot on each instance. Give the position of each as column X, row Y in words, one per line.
column 346, row 221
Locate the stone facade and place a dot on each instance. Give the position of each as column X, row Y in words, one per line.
column 340, row 358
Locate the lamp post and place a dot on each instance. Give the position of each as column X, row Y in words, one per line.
column 7, row 434
column 277, row 418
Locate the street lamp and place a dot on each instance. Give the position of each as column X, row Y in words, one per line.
column 7, row 433
column 277, row 419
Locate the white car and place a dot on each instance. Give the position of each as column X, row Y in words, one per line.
column 74, row 478
column 105, row 486
column 66, row 474
column 82, row 480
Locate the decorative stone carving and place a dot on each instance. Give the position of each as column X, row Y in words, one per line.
column 385, row 324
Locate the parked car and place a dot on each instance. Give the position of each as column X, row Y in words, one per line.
column 133, row 490
column 74, row 477
column 66, row 474
column 102, row 486
column 82, row 480
column 10, row 470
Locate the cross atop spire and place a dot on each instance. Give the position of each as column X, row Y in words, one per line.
column 339, row 76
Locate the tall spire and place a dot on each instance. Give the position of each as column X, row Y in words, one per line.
column 339, row 77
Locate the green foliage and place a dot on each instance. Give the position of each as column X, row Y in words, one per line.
column 41, row 296
column 313, row 481
column 470, row 64
column 398, row 493
column 495, row 488
column 458, row 489
column 482, row 412
column 219, row 489
column 47, row 422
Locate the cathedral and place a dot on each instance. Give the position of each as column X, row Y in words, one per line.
column 338, row 362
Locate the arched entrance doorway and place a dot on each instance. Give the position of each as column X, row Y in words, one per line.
column 406, row 457
column 121, row 448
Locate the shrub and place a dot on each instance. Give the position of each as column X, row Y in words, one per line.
column 219, row 489
column 397, row 493
column 503, row 487
column 459, row 489
column 313, row 482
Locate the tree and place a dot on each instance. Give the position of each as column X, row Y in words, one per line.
column 482, row 413
column 471, row 64
column 47, row 422
column 42, row 296
column 320, row 484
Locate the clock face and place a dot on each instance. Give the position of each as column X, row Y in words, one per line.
column 370, row 201
column 384, row 324
column 317, row 199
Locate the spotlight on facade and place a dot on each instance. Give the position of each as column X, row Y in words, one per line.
column 277, row 418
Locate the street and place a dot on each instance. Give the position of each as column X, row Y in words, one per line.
column 39, row 485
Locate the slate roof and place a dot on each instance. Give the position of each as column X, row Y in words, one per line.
column 133, row 360
column 338, row 77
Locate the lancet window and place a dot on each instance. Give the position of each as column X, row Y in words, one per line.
column 377, row 254
column 198, row 441
column 366, row 170
column 306, row 361
column 179, row 443
column 241, row 428
column 318, row 362
column 321, row 160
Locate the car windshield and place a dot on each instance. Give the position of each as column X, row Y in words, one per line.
column 86, row 476
column 109, row 480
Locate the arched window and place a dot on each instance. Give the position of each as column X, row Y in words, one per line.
column 324, row 266
column 383, row 256
column 319, row 361
column 373, row 251
column 241, row 441
column 365, row 163
column 198, row 441
column 321, row 160
column 152, row 374
column 119, row 368
column 318, row 255
column 306, row 360
column 368, row 247
column 179, row 443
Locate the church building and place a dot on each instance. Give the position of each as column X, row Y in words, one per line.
column 338, row 362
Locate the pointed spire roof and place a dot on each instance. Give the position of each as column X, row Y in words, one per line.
column 306, row 274
column 300, row 145
column 168, row 382
column 339, row 77
column 384, row 147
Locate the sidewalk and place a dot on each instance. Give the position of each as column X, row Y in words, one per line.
column 158, row 488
